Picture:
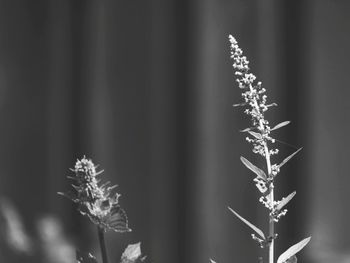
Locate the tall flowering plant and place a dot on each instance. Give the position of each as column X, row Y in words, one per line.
column 260, row 136
column 96, row 201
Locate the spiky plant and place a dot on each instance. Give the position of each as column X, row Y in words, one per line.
column 96, row 201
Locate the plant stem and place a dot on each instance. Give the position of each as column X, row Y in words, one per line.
column 271, row 229
column 271, row 221
column 101, row 238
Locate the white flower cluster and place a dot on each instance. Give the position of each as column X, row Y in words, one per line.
column 275, row 169
column 278, row 214
column 275, row 213
column 254, row 97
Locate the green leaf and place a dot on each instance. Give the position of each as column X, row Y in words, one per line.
column 257, row 230
column 255, row 134
column 83, row 257
column 285, row 200
column 260, row 173
column 288, row 158
column 280, row 125
column 292, row 250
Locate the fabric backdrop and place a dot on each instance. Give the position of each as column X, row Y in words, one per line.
column 145, row 89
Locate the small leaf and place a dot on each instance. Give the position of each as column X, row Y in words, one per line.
column 285, row 200
column 255, row 134
column 293, row 250
column 260, row 173
column 118, row 220
column 288, row 158
column 280, row 125
column 83, row 257
column 132, row 253
column 257, row 230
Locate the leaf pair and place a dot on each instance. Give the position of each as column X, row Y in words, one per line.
column 258, row 135
column 286, row 257
column 278, row 126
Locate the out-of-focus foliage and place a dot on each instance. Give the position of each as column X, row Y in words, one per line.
column 85, row 257
column 54, row 246
column 48, row 244
column 13, row 233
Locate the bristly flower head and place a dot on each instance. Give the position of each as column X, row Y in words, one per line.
column 95, row 200
column 254, row 98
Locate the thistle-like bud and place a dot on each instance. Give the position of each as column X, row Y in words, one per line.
column 96, row 201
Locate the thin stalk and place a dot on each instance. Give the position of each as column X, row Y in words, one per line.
column 271, row 221
column 101, row 238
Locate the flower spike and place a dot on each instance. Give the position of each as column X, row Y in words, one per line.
column 96, row 201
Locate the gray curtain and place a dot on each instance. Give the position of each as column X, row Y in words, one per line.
column 145, row 89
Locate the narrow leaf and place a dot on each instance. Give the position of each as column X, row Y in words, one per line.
column 255, row 134
column 288, row 158
column 260, row 173
column 239, row 104
column 272, row 104
column 211, row 261
column 293, row 250
column 285, row 200
column 280, row 125
column 257, row 230
column 247, row 129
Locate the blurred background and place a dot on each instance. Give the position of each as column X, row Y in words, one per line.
column 145, row 89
